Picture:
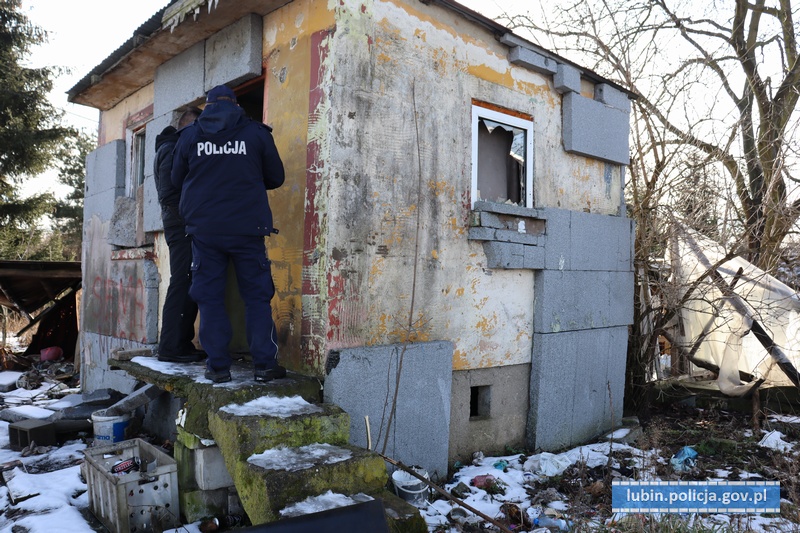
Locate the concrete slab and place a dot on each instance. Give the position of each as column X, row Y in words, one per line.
column 24, row 412
column 425, row 379
column 552, row 390
column 8, row 380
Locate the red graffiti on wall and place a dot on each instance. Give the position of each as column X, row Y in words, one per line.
column 116, row 307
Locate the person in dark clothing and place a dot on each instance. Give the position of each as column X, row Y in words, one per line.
column 224, row 164
column 179, row 311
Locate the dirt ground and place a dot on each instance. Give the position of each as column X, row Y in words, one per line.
column 728, row 448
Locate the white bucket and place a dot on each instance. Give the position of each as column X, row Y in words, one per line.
column 109, row 429
column 410, row 488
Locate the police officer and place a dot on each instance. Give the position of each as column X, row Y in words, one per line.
column 224, row 163
column 179, row 311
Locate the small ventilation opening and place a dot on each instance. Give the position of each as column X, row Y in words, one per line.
column 480, row 401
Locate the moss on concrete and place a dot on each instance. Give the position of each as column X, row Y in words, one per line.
column 239, row 437
column 198, row 504
column 401, row 515
column 189, row 440
column 265, row 492
column 184, row 458
column 203, row 397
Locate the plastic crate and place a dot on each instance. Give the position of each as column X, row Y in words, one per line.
column 136, row 502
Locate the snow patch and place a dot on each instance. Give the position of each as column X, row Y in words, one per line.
column 282, row 407
column 294, row 459
column 30, row 411
column 316, row 504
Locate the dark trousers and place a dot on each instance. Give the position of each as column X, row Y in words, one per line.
column 180, row 311
column 248, row 253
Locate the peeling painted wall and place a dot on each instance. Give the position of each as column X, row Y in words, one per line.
column 113, row 121
column 399, row 180
column 295, row 50
column 371, row 105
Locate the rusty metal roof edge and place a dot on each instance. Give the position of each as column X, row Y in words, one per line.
column 148, row 28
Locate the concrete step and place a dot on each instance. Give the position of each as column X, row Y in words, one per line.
column 202, row 397
column 279, row 477
column 240, row 430
column 259, row 430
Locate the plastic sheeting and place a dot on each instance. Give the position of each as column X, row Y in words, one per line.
column 767, row 300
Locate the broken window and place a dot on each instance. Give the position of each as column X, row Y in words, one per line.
column 502, row 157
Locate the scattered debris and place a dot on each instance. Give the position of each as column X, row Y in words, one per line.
column 684, row 460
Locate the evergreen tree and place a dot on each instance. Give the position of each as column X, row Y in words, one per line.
column 69, row 210
column 30, row 132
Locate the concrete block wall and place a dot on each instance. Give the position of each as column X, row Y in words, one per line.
column 577, row 386
column 95, row 373
column 179, row 80
column 105, row 180
column 234, row 54
column 595, row 129
column 583, row 305
column 205, row 484
column 357, row 382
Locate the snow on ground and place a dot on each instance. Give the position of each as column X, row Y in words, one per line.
column 62, row 500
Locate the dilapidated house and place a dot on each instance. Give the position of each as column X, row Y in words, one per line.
column 452, row 224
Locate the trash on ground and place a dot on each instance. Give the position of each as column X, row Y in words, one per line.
column 684, row 460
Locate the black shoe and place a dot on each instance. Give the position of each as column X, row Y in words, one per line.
column 180, row 358
column 262, row 375
column 218, row 376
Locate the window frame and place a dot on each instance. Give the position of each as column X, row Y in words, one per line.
column 480, row 112
column 137, row 160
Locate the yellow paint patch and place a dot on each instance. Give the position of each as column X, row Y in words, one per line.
column 435, row 254
column 486, row 325
column 440, row 187
column 439, row 25
column 391, row 330
column 376, row 269
column 460, row 361
column 489, row 74
column 460, row 291
column 522, row 335
column 419, row 34
column 384, row 58
column 455, row 227
column 481, row 303
column 580, row 174
column 319, row 16
column 474, row 285
column 280, row 277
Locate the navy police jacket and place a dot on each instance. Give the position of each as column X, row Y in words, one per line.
column 223, row 164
